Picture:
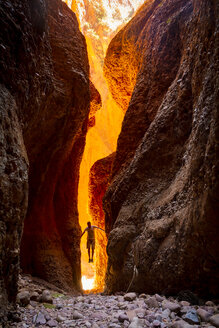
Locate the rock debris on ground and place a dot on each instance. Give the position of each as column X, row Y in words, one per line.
column 40, row 307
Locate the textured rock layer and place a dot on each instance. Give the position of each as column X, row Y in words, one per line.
column 45, row 102
column 162, row 204
column 98, row 183
column 13, row 194
column 50, row 245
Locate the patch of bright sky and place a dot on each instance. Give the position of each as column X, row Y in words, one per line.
column 118, row 12
column 115, row 12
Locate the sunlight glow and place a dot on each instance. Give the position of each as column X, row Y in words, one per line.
column 87, row 284
column 110, row 13
column 99, row 21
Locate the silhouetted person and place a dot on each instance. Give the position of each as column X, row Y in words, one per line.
column 90, row 238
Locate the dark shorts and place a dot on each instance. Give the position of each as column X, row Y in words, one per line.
column 91, row 243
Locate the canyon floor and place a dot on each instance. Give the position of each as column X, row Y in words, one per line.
column 42, row 305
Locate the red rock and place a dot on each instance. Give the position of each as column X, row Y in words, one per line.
column 150, row 47
column 51, row 240
column 164, row 187
column 13, row 196
column 45, row 66
column 95, row 104
column 98, row 182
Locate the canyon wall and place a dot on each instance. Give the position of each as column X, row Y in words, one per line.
column 162, row 204
column 45, row 96
column 99, row 177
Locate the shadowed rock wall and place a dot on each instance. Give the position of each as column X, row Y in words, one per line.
column 50, row 244
column 13, row 195
column 44, row 97
column 162, row 204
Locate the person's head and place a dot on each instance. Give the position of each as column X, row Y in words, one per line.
column 89, row 224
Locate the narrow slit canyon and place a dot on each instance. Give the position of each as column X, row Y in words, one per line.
column 109, row 114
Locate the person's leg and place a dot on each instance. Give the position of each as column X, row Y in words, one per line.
column 92, row 253
column 88, row 249
column 89, row 252
column 93, row 247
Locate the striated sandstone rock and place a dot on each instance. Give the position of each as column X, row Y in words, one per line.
column 98, row 183
column 44, row 99
column 162, row 205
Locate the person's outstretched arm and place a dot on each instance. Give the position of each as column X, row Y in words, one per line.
column 98, row 228
column 84, row 232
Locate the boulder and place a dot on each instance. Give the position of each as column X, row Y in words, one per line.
column 23, row 298
column 46, row 297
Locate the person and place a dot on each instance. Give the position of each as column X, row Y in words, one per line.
column 90, row 238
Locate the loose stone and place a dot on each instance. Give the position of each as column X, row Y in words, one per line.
column 214, row 320
column 159, row 298
column 152, row 302
column 130, row 296
column 137, row 323
column 23, row 298
column 52, row 323
column 40, row 319
column 122, row 317
column 191, row 317
column 209, row 303
column 175, row 307
column 181, row 324
column 77, row 315
column 46, row 297
column 142, row 296
column 204, row 315
column 156, row 323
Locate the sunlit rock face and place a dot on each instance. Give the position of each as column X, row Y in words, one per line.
column 155, row 41
column 99, row 20
column 95, row 105
column 45, row 99
column 98, row 183
column 162, row 205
